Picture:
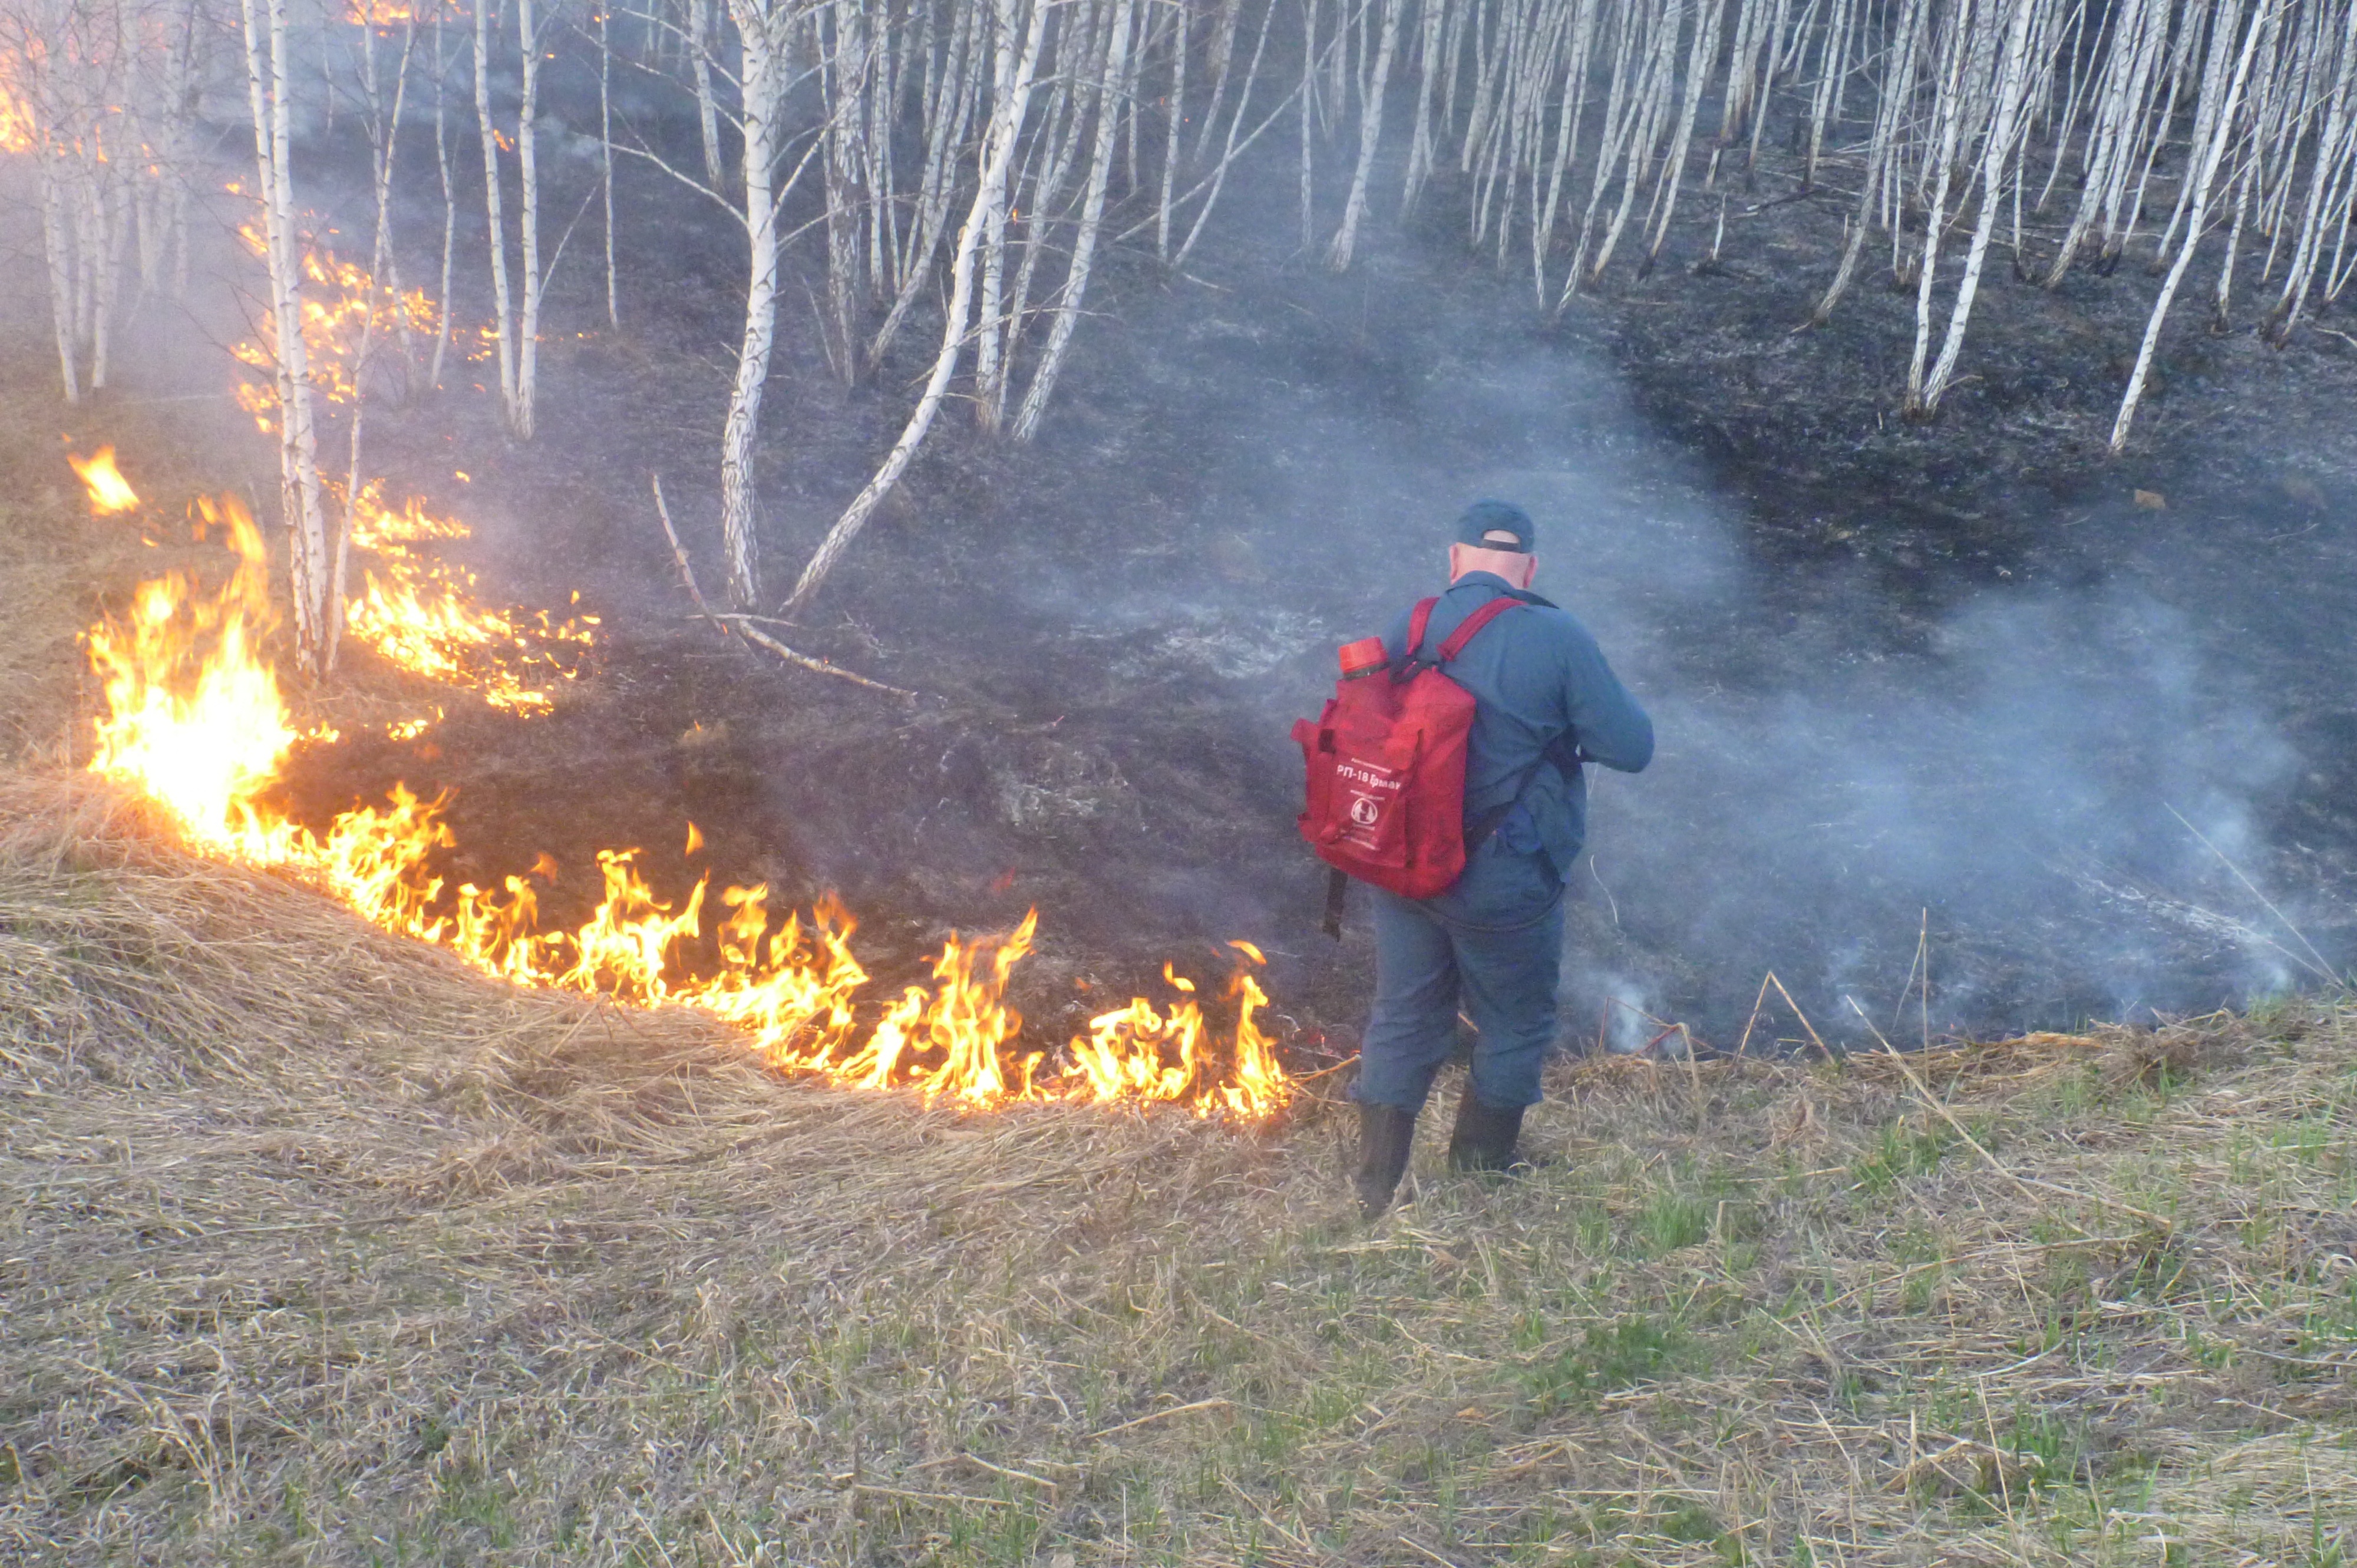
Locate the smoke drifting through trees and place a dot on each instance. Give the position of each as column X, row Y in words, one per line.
column 978, row 157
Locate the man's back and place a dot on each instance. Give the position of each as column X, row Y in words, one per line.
column 1538, row 678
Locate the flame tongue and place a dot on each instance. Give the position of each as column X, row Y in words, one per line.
column 110, row 492
column 196, row 719
column 194, row 715
column 418, row 611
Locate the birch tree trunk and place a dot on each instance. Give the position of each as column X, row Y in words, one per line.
column 761, row 85
column 2199, row 178
column 520, row 413
column 1010, row 106
column 2333, row 150
column 503, row 302
column 1950, row 112
column 57, row 244
column 1084, row 246
column 707, row 106
column 605, row 159
column 1898, row 87
column 298, row 474
column 449, row 205
column 1997, row 150
column 1371, row 131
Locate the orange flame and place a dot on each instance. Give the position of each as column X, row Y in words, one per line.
column 193, row 714
column 418, row 612
column 378, row 13
column 17, row 134
column 195, row 718
column 342, row 309
column 110, row 492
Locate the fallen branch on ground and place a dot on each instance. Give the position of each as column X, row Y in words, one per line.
column 735, row 625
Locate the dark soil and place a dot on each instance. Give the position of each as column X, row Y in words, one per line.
column 1937, row 683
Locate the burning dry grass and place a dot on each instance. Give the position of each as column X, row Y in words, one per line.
column 319, row 1248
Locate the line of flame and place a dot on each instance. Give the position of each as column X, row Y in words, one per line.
column 418, row 611
column 195, row 717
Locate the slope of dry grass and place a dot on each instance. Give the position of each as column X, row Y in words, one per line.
column 314, row 1248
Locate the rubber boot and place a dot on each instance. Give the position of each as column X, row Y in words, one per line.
column 1385, row 1135
column 1485, row 1137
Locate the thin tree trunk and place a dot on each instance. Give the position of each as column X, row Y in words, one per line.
column 605, row 159
column 534, row 282
column 1310, row 61
column 1997, row 150
column 1010, row 105
column 1371, row 131
column 1950, row 113
column 2332, row 152
column 267, row 92
column 503, row 302
column 449, row 205
column 2210, row 154
column 1232, row 149
column 1698, row 63
column 945, row 133
column 57, row 244
column 1174, row 117
column 698, row 43
column 1084, row 244
column 760, row 85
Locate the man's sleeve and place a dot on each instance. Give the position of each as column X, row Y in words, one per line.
column 1604, row 719
column 1396, row 634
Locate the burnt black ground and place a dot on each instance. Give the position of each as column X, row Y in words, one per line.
column 1945, row 678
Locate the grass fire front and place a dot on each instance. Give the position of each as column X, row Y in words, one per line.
column 320, row 1249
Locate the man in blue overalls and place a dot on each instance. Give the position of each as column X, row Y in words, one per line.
column 1492, row 943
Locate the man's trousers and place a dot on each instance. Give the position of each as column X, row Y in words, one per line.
column 1492, row 946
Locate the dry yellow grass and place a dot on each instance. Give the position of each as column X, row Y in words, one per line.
column 315, row 1249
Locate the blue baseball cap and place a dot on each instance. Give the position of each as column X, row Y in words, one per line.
column 1497, row 525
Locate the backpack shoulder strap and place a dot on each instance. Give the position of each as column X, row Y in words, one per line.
column 1472, row 626
column 1417, row 619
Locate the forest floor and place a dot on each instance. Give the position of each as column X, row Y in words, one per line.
column 318, row 1249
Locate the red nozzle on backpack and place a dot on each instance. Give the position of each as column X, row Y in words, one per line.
column 1362, row 656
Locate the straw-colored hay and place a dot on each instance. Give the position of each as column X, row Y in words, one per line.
column 316, row 1248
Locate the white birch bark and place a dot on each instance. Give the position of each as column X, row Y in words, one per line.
column 449, row 205
column 1210, row 185
column 1174, row 117
column 1705, row 47
column 1310, row 61
column 503, row 300
column 605, row 159
column 698, row 43
column 761, row 86
column 1428, row 65
column 527, row 392
column 1084, row 243
column 1371, row 131
column 1997, row 150
column 1950, row 113
column 265, row 26
column 2210, row 154
column 1008, row 109
column 1223, row 52
column 2333, row 150
column 946, row 128
column 57, row 244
